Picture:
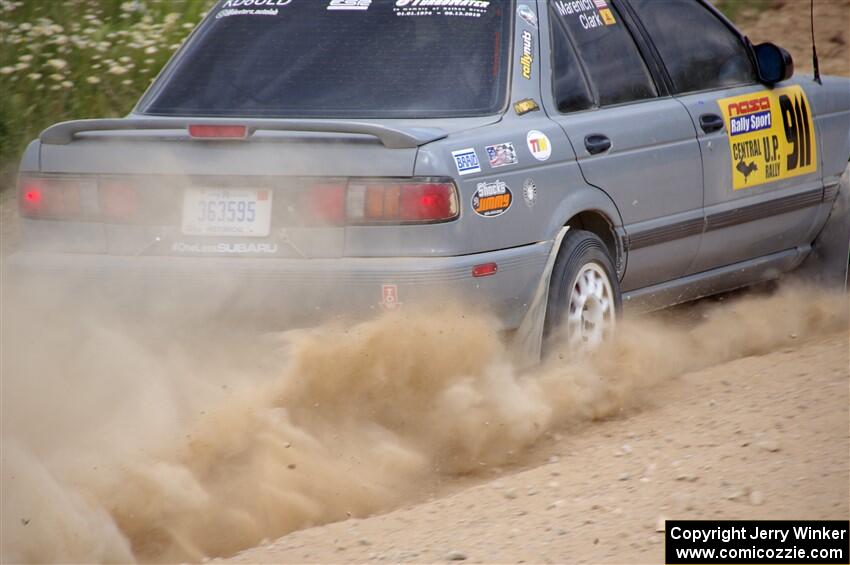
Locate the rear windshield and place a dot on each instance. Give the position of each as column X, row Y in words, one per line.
column 341, row 58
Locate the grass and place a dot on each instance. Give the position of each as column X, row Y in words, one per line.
column 737, row 10
column 72, row 59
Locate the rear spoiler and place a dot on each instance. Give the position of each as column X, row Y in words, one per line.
column 392, row 137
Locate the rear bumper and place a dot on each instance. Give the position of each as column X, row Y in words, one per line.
column 293, row 291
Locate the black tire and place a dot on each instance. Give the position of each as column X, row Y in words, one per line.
column 828, row 263
column 578, row 249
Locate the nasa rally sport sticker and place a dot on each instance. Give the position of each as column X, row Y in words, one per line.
column 771, row 136
column 491, row 199
column 466, row 161
column 539, row 145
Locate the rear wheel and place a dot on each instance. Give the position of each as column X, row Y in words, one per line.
column 584, row 294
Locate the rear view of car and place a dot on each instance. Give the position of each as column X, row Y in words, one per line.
column 281, row 145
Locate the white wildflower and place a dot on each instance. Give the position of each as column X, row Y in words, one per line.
column 93, row 80
column 7, row 70
column 57, row 64
column 117, row 70
column 34, row 76
column 67, row 84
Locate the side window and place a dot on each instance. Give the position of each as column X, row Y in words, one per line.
column 570, row 88
column 606, row 49
column 698, row 49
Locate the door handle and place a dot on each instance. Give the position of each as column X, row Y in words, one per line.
column 710, row 123
column 597, row 143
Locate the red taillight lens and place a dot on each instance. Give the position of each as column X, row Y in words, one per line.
column 392, row 202
column 76, row 198
column 218, row 132
column 428, row 202
column 50, row 197
column 327, row 203
column 118, row 200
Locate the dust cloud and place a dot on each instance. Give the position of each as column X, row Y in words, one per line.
column 122, row 443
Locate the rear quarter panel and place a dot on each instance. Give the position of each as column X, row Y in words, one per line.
column 831, row 107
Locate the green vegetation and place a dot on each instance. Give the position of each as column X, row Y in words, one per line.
column 737, row 10
column 70, row 59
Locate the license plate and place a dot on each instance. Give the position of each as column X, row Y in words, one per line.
column 227, row 212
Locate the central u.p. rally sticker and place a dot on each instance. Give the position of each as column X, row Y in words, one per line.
column 771, row 136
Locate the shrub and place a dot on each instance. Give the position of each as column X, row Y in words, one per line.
column 81, row 59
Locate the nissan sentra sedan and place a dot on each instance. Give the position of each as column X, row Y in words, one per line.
column 330, row 156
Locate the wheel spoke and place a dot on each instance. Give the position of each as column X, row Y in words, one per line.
column 591, row 317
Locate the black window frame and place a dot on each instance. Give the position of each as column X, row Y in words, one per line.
column 647, row 38
column 657, row 72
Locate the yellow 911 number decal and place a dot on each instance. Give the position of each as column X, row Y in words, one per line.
column 771, row 136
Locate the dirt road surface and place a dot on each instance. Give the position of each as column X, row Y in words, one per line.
column 786, row 23
column 760, row 432
column 760, row 437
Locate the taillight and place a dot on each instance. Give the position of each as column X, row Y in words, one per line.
column 388, row 201
column 118, row 200
column 54, row 197
column 75, row 198
column 327, row 203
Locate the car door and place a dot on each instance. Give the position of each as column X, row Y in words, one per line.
column 758, row 144
column 638, row 147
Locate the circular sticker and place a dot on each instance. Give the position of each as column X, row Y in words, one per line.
column 491, row 199
column 539, row 145
column 529, row 192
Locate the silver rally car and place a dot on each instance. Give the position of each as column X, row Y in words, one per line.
column 350, row 155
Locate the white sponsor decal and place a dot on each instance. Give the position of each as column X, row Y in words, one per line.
column 251, row 8
column 590, row 14
column 255, row 3
column 539, row 145
column 467, row 8
column 222, row 248
column 527, row 14
column 466, row 161
column 527, row 58
column 360, row 5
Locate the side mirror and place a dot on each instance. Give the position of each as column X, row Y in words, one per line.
column 774, row 63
